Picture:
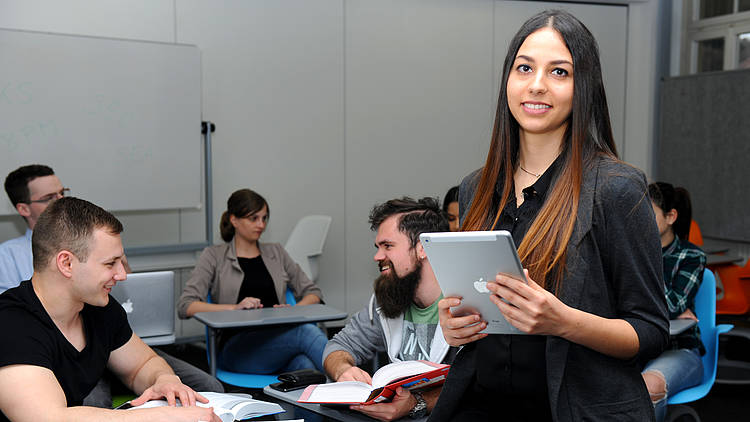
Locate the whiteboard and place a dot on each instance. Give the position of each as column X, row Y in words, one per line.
column 119, row 121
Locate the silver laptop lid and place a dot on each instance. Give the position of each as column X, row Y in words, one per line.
column 148, row 300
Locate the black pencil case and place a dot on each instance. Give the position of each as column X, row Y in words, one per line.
column 298, row 379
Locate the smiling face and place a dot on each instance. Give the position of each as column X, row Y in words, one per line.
column 250, row 228
column 93, row 280
column 540, row 84
column 394, row 251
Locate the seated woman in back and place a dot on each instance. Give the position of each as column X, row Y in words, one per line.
column 244, row 273
column 680, row 366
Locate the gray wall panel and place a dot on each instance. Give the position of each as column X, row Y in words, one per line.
column 705, row 145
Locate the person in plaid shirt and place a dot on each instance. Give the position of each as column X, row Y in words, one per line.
column 680, row 366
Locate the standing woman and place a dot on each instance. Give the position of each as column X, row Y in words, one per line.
column 594, row 305
column 244, row 273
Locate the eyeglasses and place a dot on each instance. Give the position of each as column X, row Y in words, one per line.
column 51, row 196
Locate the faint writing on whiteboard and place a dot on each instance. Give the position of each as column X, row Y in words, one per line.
column 113, row 109
column 36, row 132
column 12, row 93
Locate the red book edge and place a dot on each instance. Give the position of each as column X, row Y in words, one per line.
column 386, row 393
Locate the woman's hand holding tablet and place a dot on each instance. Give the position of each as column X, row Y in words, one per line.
column 529, row 307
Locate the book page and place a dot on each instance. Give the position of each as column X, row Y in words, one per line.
column 340, row 392
column 227, row 407
column 397, row 370
column 224, row 400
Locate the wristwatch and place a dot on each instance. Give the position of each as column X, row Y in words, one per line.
column 420, row 409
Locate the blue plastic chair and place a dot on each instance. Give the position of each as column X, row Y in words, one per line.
column 241, row 379
column 705, row 309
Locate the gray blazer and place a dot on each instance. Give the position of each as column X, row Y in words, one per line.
column 614, row 270
column 219, row 271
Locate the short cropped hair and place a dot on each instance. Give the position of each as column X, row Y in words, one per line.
column 416, row 217
column 17, row 182
column 68, row 224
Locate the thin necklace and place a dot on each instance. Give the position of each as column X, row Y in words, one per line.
column 526, row 171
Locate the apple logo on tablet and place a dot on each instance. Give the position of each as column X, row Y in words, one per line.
column 128, row 306
column 481, row 285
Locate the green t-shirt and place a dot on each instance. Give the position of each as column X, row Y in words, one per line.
column 418, row 330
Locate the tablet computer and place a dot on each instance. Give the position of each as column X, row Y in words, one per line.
column 464, row 262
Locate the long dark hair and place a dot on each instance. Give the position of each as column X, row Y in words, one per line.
column 241, row 203
column 668, row 197
column 588, row 134
column 450, row 197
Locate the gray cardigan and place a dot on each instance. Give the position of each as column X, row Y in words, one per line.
column 614, row 270
column 219, row 271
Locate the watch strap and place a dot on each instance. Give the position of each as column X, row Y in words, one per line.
column 420, row 409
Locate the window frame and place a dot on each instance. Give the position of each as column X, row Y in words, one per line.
column 724, row 26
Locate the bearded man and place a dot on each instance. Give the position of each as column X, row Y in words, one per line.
column 402, row 317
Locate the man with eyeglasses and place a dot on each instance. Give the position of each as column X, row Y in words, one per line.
column 31, row 189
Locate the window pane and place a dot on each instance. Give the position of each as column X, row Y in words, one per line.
column 711, row 55
column 744, row 5
column 744, row 59
column 710, row 8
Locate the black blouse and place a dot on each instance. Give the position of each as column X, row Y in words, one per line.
column 257, row 282
column 512, row 368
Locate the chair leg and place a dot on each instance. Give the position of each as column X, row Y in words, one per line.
column 681, row 413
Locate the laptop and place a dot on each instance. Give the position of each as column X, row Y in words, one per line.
column 463, row 263
column 148, row 300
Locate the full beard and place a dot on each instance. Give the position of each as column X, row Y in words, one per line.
column 395, row 294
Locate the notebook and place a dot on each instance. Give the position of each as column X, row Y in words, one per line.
column 148, row 300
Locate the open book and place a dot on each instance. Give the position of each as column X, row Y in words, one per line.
column 228, row 407
column 412, row 375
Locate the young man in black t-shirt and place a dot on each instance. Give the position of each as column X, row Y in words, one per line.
column 61, row 328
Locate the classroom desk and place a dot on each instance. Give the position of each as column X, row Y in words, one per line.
column 676, row 326
column 159, row 340
column 337, row 413
column 710, row 249
column 720, row 259
column 216, row 321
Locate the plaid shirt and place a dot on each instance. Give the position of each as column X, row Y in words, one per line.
column 683, row 274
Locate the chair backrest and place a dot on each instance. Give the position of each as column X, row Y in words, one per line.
column 705, row 310
column 305, row 243
column 695, row 236
column 733, row 282
column 290, row 300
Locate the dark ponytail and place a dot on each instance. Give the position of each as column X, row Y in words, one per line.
column 242, row 203
column 225, row 227
column 684, row 209
column 668, row 197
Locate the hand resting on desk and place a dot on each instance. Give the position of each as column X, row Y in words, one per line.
column 249, row 303
column 688, row 314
